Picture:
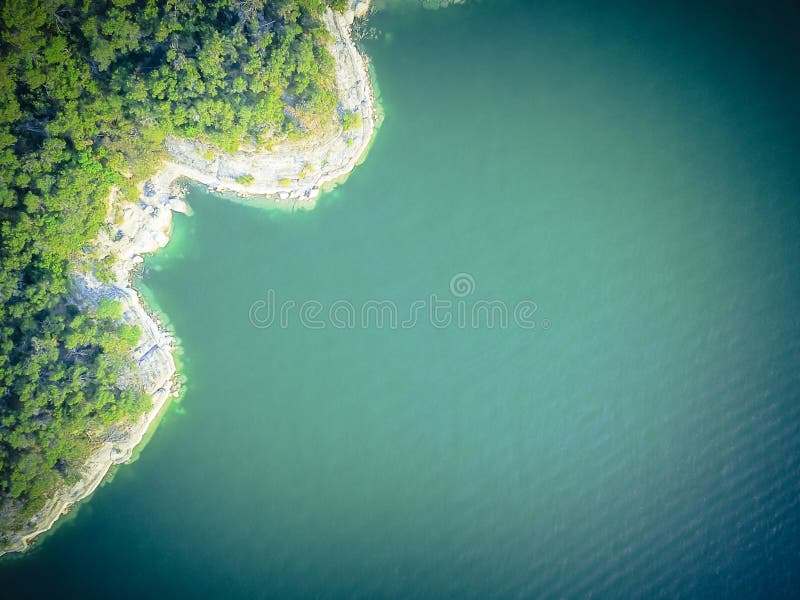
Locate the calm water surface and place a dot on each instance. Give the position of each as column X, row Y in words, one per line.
column 634, row 172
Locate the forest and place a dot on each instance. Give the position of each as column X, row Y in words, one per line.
column 89, row 91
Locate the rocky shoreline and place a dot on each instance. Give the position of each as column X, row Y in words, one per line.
column 291, row 174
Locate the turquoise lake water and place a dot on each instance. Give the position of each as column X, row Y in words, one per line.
column 631, row 170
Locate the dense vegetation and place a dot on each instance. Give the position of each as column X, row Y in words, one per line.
column 88, row 91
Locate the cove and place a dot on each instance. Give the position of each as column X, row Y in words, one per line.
column 631, row 171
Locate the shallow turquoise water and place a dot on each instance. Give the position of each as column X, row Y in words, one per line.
column 633, row 172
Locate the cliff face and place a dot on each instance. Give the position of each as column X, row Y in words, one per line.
column 294, row 173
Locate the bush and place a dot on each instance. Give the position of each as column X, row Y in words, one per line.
column 351, row 120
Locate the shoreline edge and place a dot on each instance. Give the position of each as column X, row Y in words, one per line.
column 292, row 175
